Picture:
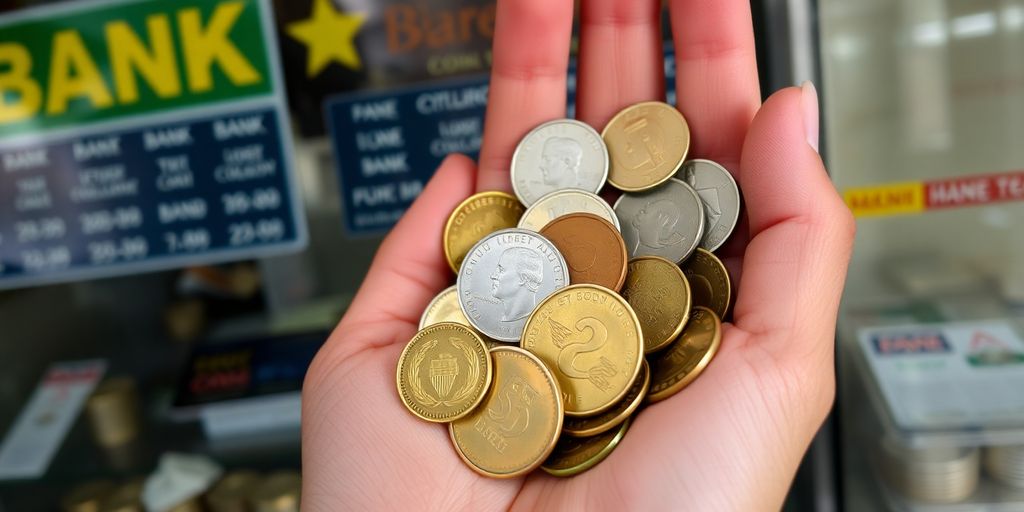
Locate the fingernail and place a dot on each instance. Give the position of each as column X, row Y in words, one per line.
column 809, row 103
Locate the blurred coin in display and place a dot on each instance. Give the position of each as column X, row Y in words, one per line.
column 516, row 426
column 594, row 425
column 667, row 221
column 444, row 372
column 647, row 143
column 574, row 455
column 686, row 358
column 660, row 296
column 504, row 277
column 478, row 216
column 558, row 155
column 720, row 196
column 564, row 202
column 590, row 338
column 592, row 247
column 709, row 282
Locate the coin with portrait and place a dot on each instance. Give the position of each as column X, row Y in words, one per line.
column 443, row 372
column 660, row 296
column 720, row 196
column 591, row 340
column 504, row 277
column 647, row 143
column 558, row 155
column 592, row 248
column 709, row 281
column 474, row 218
column 683, row 361
column 667, row 221
column 564, row 202
column 516, row 426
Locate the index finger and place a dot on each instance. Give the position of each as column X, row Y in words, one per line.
column 528, row 80
column 717, row 89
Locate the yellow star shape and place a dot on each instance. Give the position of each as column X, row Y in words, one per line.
column 329, row 36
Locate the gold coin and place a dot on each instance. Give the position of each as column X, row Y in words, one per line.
column 660, row 296
column 590, row 338
column 517, row 425
column 574, row 455
column 444, row 372
column 685, row 359
column 647, row 144
column 444, row 308
column 476, row 217
column 584, row 427
column 709, row 281
column 592, row 247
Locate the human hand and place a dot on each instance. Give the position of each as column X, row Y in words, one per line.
column 733, row 439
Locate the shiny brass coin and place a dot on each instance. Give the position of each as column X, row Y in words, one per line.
column 517, row 425
column 709, row 281
column 594, row 425
column 444, row 372
column 590, row 338
column 444, row 308
column 574, row 455
column 476, row 217
column 647, row 143
column 592, row 248
column 685, row 359
column 660, row 296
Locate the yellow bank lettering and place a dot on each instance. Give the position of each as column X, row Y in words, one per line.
column 204, row 46
column 156, row 64
column 74, row 74
column 18, row 64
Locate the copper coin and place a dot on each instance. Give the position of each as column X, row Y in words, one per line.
column 592, row 248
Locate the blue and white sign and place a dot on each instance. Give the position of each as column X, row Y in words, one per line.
column 388, row 144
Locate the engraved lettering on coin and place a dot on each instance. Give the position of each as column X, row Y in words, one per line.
column 667, row 221
column 590, row 336
column 474, row 218
column 504, row 277
column 721, row 198
column 557, row 155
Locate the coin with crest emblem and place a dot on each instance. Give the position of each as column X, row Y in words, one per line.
column 444, row 372
column 590, row 338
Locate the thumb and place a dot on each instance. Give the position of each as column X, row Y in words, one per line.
column 801, row 232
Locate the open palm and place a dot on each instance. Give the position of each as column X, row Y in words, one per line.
column 730, row 441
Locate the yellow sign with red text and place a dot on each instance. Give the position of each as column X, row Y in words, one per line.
column 919, row 196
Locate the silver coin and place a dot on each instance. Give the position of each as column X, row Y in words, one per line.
column 504, row 277
column 666, row 221
column 720, row 196
column 557, row 155
column 563, row 202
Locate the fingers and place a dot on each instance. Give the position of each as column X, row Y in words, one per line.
column 620, row 60
column 716, row 75
column 528, row 80
column 801, row 231
column 409, row 268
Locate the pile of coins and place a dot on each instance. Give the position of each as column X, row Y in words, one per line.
column 1006, row 464
column 569, row 314
column 933, row 474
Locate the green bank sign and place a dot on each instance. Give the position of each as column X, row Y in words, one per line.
column 71, row 65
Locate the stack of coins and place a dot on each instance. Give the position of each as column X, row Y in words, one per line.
column 569, row 314
column 933, row 474
column 1006, row 464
